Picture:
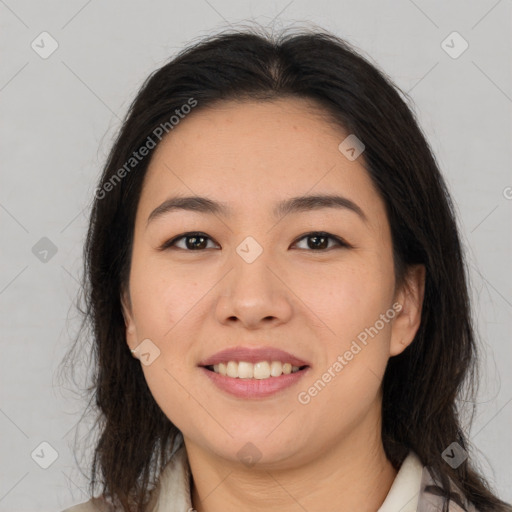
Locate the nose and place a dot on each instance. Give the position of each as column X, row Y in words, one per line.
column 254, row 294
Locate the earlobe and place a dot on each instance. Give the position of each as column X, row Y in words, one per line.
column 127, row 315
column 131, row 334
column 408, row 320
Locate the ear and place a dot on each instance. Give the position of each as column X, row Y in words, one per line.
column 131, row 332
column 407, row 321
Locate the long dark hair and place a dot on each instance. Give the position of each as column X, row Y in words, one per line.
column 422, row 387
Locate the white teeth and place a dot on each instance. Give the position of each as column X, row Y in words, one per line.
column 276, row 368
column 260, row 370
column 232, row 369
column 245, row 370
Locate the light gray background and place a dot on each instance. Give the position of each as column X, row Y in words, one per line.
column 58, row 117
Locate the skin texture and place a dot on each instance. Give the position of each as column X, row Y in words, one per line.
column 310, row 302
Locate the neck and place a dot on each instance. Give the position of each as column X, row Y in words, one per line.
column 352, row 474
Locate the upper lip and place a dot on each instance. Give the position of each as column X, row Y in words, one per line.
column 253, row 355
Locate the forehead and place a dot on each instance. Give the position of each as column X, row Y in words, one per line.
column 252, row 154
column 235, row 130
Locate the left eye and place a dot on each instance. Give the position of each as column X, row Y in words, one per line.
column 320, row 240
column 196, row 241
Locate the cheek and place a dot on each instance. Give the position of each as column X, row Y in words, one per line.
column 161, row 296
column 351, row 371
column 348, row 297
column 164, row 312
column 350, row 302
column 169, row 387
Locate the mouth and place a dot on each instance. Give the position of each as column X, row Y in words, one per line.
column 254, row 372
column 254, row 381
column 261, row 370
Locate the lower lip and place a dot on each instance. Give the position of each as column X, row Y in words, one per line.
column 254, row 388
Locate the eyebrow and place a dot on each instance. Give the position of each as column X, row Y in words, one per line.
column 282, row 208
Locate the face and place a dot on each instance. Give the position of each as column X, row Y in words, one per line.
column 257, row 277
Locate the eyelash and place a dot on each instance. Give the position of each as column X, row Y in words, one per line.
column 170, row 243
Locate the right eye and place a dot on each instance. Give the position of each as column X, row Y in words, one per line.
column 194, row 241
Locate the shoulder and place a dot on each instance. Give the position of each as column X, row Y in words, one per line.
column 93, row 505
column 172, row 491
column 433, row 496
column 416, row 489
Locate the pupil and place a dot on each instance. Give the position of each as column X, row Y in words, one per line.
column 323, row 245
column 191, row 240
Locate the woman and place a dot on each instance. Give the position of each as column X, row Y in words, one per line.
column 277, row 291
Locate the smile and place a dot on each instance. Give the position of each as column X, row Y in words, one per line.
column 251, row 387
column 260, row 370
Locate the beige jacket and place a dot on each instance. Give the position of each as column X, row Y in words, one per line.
column 407, row 494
